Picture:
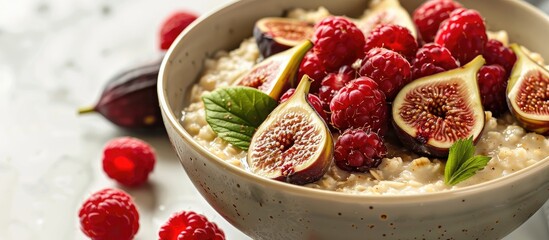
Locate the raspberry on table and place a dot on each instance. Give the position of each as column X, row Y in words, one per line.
column 313, row 100
column 333, row 82
column 464, row 34
column 128, row 160
column 393, row 37
column 109, row 214
column 312, row 66
column 360, row 103
column 432, row 58
column 359, row 150
column 492, row 82
column 337, row 42
column 173, row 26
column 496, row 53
column 430, row 15
column 188, row 225
column 388, row 69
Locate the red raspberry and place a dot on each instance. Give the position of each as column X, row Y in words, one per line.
column 313, row 100
column 464, row 34
column 360, row 104
column 173, row 26
column 333, row 82
column 312, row 66
column 359, row 150
column 432, row 58
column 496, row 53
column 188, row 225
column 337, row 42
column 388, row 68
column 393, row 37
column 430, row 15
column 128, row 161
column 492, row 83
column 109, row 214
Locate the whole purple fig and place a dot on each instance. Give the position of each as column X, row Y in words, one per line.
column 129, row 99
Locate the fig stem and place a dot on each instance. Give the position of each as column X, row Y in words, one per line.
column 88, row 109
column 304, row 85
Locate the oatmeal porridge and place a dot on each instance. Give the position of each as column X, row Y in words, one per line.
column 510, row 147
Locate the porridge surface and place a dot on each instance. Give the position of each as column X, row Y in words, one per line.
column 402, row 172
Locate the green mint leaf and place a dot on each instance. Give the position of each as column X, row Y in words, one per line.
column 235, row 113
column 469, row 168
column 461, row 163
column 460, row 151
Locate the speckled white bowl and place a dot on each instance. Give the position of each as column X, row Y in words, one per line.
column 266, row 209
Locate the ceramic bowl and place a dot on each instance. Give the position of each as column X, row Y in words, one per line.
column 267, row 209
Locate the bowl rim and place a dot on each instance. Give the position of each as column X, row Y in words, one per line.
column 413, row 198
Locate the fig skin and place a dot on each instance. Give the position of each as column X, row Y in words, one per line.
column 416, row 137
column 273, row 138
column 523, row 69
column 130, row 100
column 272, row 41
column 274, row 75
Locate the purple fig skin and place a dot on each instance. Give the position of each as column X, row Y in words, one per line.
column 312, row 174
column 419, row 144
column 130, row 98
column 269, row 44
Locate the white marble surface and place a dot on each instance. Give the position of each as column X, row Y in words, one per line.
column 55, row 56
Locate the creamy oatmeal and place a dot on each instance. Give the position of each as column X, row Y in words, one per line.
column 402, row 172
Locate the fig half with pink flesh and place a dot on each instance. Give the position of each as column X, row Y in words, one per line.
column 386, row 12
column 293, row 144
column 528, row 93
column 274, row 34
column 431, row 113
column 274, row 74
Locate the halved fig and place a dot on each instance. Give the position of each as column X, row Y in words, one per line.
column 431, row 113
column 386, row 12
column 274, row 74
column 274, row 34
column 528, row 93
column 293, row 144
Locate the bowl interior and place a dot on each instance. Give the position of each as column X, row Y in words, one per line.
column 226, row 27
